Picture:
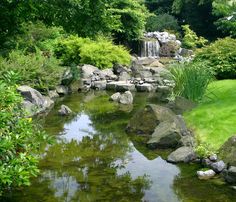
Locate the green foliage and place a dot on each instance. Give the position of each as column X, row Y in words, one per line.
column 35, row 70
column 191, row 80
column 225, row 10
column 162, row 22
column 213, row 120
column 204, row 149
column 191, row 40
column 101, row 53
column 19, row 139
column 221, row 57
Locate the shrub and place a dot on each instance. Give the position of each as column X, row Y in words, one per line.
column 191, row 80
column 35, row 70
column 162, row 22
column 101, row 53
column 19, row 140
column 221, row 58
column 191, row 40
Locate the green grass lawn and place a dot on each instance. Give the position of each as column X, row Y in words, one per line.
column 214, row 120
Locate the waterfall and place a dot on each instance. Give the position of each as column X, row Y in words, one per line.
column 150, row 48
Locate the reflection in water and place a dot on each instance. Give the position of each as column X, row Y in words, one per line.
column 94, row 160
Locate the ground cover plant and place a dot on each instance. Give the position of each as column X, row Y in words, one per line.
column 214, row 119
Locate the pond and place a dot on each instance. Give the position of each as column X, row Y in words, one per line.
column 93, row 159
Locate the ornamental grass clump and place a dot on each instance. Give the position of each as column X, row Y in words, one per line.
column 191, row 80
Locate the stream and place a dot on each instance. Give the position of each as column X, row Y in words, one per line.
column 93, row 159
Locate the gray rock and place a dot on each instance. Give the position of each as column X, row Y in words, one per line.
column 87, row 71
column 204, row 175
column 126, row 98
column 146, row 60
column 228, row 151
column 64, row 110
column 213, row 157
column 218, row 167
column 145, row 121
column 166, row 135
column 182, row 154
column 230, row 175
column 99, row 85
column 124, row 76
column 62, row 90
column 67, row 77
column 34, row 101
column 53, row 94
column 115, row 97
column 156, row 64
column 125, row 86
column 144, row 87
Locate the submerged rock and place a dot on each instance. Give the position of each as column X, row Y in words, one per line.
column 146, row 120
column 204, row 175
column 115, row 97
column 64, row 110
column 182, row 154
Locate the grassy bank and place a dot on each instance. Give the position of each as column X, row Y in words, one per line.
column 214, row 120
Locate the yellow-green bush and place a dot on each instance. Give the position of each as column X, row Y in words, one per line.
column 101, row 53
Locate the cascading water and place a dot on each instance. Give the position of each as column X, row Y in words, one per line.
column 150, row 48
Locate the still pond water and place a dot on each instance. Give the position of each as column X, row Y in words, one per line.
column 94, row 160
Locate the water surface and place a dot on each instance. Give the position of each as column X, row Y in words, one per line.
column 93, row 159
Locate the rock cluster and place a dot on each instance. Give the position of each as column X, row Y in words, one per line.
column 145, row 75
column 34, row 102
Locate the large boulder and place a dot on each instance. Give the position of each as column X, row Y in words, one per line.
column 34, row 101
column 182, row 154
column 228, row 151
column 166, row 135
column 230, row 175
column 126, row 98
column 146, row 120
column 87, row 71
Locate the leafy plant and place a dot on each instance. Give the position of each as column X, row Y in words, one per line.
column 19, row 139
column 191, row 80
column 221, row 58
column 101, row 53
column 38, row 71
column 191, row 40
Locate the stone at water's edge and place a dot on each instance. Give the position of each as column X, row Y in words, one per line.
column 87, row 71
column 62, row 90
column 218, row 167
column 228, row 151
column 115, row 97
column 182, row 154
column 34, row 101
column 166, row 135
column 205, row 175
column 146, row 120
column 126, row 98
column 64, row 110
column 146, row 87
column 230, row 175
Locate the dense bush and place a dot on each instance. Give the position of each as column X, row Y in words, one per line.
column 221, row 58
column 191, row 80
column 191, row 40
column 19, row 139
column 162, row 22
column 35, row 70
column 101, row 53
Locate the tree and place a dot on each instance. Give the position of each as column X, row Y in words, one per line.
column 226, row 11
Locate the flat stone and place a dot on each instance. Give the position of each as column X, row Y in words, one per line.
column 144, row 87
column 122, row 87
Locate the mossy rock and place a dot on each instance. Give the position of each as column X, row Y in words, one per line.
column 228, row 151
